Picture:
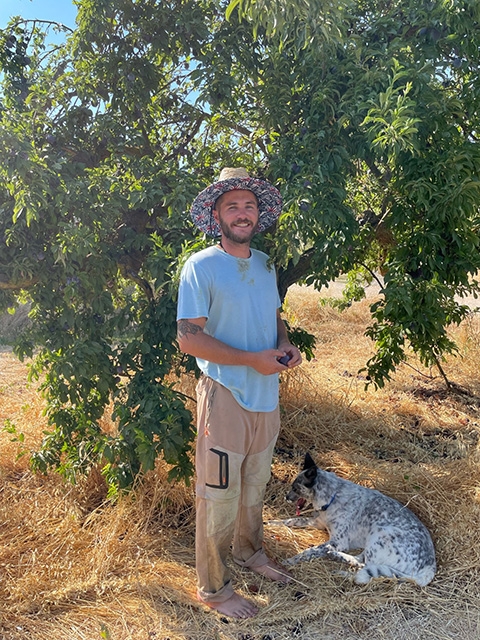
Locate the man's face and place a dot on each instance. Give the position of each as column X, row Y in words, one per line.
column 237, row 214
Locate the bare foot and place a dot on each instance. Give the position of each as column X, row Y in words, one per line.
column 235, row 607
column 273, row 571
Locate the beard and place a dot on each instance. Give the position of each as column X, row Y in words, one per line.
column 231, row 234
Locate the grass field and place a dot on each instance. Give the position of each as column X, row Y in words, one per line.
column 76, row 567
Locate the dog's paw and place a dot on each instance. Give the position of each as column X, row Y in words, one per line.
column 290, row 562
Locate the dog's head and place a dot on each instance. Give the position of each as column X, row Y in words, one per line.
column 302, row 488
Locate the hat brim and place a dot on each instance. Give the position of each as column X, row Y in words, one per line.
column 268, row 196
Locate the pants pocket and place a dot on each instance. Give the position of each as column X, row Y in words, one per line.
column 218, row 469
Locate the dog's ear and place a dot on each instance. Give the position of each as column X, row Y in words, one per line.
column 308, row 462
column 310, row 476
column 310, row 469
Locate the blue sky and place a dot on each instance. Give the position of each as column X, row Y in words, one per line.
column 63, row 11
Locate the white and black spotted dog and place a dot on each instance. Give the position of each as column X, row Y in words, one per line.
column 395, row 543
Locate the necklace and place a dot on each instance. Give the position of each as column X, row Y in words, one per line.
column 231, row 254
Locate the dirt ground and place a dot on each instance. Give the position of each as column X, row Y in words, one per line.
column 75, row 567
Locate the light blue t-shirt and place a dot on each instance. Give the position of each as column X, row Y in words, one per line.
column 239, row 298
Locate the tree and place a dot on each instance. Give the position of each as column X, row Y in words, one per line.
column 365, row 114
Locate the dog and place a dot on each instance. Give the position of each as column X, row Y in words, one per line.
column 395, row 543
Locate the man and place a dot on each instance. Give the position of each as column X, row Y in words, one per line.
column 228, row 318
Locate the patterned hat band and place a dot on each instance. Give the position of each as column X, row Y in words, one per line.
column 269, row 200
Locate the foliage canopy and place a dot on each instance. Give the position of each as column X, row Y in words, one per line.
column 364, row 113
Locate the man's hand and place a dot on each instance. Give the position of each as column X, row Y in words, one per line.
column 267, row 362
column 293, row 353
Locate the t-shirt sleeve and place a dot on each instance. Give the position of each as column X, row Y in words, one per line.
column 193, row 293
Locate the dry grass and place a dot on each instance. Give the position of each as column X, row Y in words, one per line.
column 76, row 567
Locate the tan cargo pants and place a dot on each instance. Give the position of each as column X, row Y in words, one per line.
column 233, row 464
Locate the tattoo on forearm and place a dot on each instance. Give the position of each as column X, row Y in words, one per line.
column 185, row 327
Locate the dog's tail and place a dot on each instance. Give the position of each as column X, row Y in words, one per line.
column 370, row 571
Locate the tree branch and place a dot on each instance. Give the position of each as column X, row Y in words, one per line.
column 15, row 285
column 293, row 272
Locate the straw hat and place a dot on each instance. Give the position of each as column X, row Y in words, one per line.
column 269, row 200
